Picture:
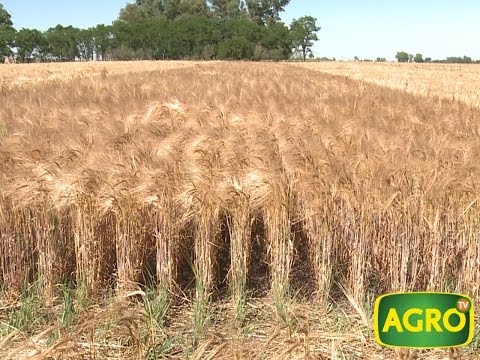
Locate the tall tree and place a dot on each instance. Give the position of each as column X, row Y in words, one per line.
column 263, row 10
column 193, row 8
column 5, row 17
column 275, row 43
column 171, row 8
column 304, row 33
column 102, row 40
column 402, row 56
column 86, row 44
column 29, row 44
column 142, row 9
column 227, row 9
column 131, row 13
column 7, row 33
column 418, row 58
column 146, row 9
column 63, row 42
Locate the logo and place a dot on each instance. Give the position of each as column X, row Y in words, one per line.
column 423, row 320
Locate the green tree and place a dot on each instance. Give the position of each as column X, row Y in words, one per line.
column 172, row 9
column 227, row 9
column 193, row 8
column 263, row 10
column 131, row 13
column 142, row 9
column 418, row 58
column 63, row 42
column 275, row 43
column 206, row 36
column 102, row 40
column 304, row 33
column 428, row 59
column 402, row 56
column 236, row 48
column 86, row 44
column 192, row 29
column 5, row 18
column 30, row 44
column 7, row 33
column 245, row 28
column 56, row 42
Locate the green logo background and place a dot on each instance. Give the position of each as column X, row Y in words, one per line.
column 404, row 301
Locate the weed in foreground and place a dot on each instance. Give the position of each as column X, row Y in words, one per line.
column 30, row 312
column 156, row 303
column 201, row 315
column 68, row 307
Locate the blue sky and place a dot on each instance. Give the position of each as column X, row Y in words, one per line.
column 367, row 29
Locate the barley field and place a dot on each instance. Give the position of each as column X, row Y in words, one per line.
column 459, row 82
column 26, row 75
column 230, row 210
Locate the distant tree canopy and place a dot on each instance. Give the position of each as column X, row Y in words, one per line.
column 402, row 56
column 170, row 29
column 418, row 58
column 457, row 60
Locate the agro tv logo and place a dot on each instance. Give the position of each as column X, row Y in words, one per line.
column 424, row 320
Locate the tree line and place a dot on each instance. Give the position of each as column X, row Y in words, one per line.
column 170, row 29
column 403, row 56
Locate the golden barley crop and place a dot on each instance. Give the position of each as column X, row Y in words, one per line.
column 459, row 82
column 195, row 178
column 24, row 75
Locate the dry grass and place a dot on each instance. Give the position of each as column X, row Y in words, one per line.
column 193, row 179
column 447, row 81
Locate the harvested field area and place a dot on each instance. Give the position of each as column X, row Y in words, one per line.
column 229, row 210
column 459, row 82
